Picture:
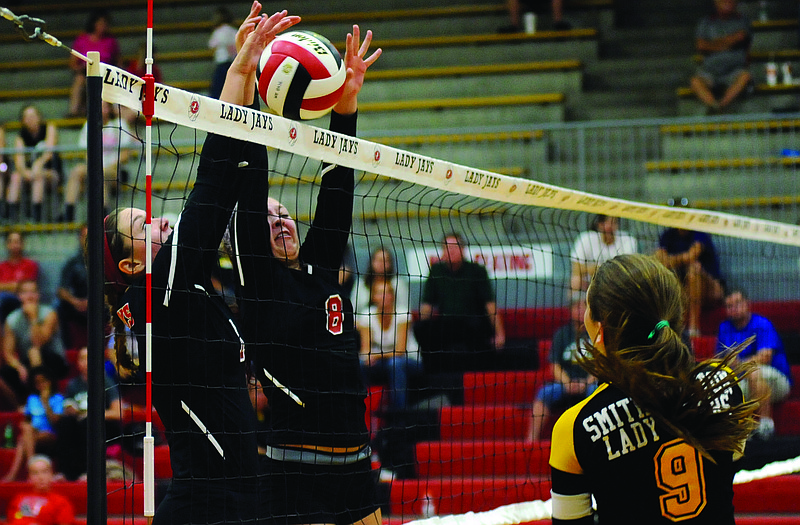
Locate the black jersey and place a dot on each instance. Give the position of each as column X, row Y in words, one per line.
column 636, row 469
column 198, row 370
column 302, row 324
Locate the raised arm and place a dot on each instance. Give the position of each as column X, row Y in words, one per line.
column 327, row 239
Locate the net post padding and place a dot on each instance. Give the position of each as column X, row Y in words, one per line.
column 96, row 467
column 203, row 113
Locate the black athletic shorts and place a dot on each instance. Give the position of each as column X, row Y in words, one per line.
column 296, row 493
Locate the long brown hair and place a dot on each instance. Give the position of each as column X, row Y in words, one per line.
column 629, row 295
column 388, row 273
column 118, row 249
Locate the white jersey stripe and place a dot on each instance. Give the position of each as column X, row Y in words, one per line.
column 284, row 389
column 235, row 240
column 203, row 428
column 173, row 261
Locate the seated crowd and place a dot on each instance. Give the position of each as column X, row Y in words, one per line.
column 44, row 362
column 459, row 328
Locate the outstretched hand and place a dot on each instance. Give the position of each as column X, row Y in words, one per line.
column 356, row 66
column 280, row 22
column 256, row 33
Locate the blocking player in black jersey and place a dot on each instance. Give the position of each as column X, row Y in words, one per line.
column 656, row 442
column 198, row 368
column 317, row 461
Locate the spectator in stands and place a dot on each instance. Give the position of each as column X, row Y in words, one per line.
column 515, row 15
column 6, row 165
column 42, row 411
column 692, row 256
column 40, row 167
column 460, row 324
column 388, row 348
column 95, row 37
column 381, row 269
column 223, row 42
column 724, row 40
column 31, row 338
column 72, row 293
column 118, row 139
column 571, row 382
column 71, row 427
column 137, row 66
column 770, row 382
column 40, row 506
column 592, row 248
column 15, row 269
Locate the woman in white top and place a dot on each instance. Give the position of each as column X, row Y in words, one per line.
column 594, row 247
column 223, row 42
column 389, row 351
column 381, row 269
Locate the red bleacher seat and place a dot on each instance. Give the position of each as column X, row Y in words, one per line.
column 787, row 418
column 767, row 520
column 482, row 458
column 162, row 468
column 493, row 388
column 534, row 323
column 460, row 495
column 795, row 392
column 541, row 323
column 768, row 495
column 784, row 315
column 122, row 498
column 483, row 422
column 704, row 346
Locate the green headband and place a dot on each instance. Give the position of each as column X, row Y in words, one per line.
column 661, row 324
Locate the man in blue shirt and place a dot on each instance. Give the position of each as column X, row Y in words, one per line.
column 771, row 379
column 693, row 258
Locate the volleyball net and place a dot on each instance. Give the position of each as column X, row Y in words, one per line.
column 460, row 434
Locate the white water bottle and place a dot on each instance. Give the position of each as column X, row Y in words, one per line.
column 428, row 507
column 786, row 73
column 763, row 14
column 772, row 73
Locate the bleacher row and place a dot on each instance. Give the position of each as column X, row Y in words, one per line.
column 479, row 459
column 446, row 76
column 479, row 462
column 448, row 39
column 467, row 78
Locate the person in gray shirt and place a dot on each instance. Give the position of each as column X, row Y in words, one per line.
column 724, row 40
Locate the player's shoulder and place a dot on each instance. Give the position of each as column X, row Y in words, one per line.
column 475, row 268
column 589, row 404
column 723, row 382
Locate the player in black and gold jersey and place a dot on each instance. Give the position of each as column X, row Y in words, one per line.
column 656, row 442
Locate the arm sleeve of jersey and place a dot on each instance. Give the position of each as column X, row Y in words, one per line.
column 570, row 498
column 327, row 238
column 250, row 232
column 562, row 450
column 208, row 208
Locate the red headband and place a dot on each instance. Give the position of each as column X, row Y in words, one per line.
column 113, row 275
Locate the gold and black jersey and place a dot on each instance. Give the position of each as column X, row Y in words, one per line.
column 636, row 469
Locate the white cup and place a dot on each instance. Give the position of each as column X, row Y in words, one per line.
column 529, row 21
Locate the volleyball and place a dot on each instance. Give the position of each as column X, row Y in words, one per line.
column 301, row 75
